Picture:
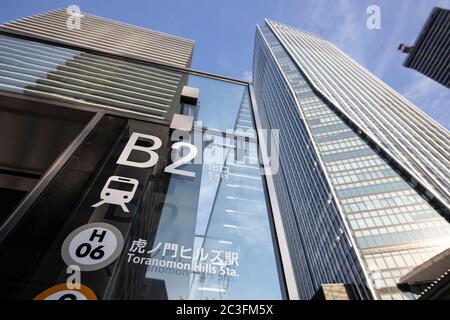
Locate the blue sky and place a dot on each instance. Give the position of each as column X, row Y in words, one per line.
column 224, row 33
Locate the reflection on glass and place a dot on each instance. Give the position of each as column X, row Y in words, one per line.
column 207, row 237
column 218, row 103
column 214, row 231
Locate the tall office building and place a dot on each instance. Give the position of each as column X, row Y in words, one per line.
column 119, row 160
column 364, row 181
column 430, row 55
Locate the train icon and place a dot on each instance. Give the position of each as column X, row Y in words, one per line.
column 119, row 191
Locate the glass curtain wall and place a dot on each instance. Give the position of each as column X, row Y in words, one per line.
column 137, row 224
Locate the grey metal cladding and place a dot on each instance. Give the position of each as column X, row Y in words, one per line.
column 431, row 52
column 107, row 36
column 57, row 73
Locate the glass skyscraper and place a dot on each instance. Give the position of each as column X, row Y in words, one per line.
column 364, row 183
column 154, row 180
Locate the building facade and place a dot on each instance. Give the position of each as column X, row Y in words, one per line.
column 364, row 173
column 430, row 55
column 123, row 166
column 150, row 180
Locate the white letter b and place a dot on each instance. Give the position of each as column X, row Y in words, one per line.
column 131, row 145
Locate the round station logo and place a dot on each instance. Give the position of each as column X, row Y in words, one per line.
column 62, row 292
column 92, row 246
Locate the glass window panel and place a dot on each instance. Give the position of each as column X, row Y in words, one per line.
column 204, row 237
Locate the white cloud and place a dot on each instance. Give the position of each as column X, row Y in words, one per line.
column 339, row 23
column 247, row 75
column 439, row 109
column 395, row 31
column 343, row 22
column 430, row 97
column 420, row 88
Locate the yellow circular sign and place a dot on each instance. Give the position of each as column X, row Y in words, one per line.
column 62, row 292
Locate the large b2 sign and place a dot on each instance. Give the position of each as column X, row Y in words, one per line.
column 172, row 168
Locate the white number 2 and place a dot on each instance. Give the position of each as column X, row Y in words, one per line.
column 172, row 168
